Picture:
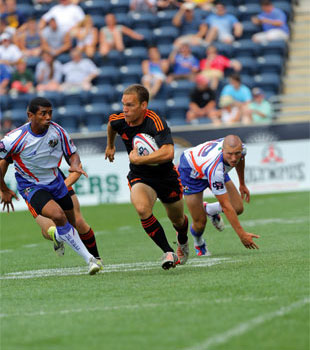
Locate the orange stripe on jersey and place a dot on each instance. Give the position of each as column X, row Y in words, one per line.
column 157, row 121
column 32, row 210
column 116, row 116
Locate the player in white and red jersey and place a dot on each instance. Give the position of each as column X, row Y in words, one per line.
column 207, row 166
column 36, row 149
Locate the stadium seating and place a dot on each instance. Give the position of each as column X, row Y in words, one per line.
column 95, row 115
column 165, row 35
column 130, row 74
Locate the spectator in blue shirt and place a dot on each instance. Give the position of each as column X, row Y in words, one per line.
column 273, row 22
column 241, row 95
column 222, row 26
column 184, row 64
column 4, row 78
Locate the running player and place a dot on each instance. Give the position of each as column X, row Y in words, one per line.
column 48, row 226
column 36, row 149
column 146, row 182
column 207, row 165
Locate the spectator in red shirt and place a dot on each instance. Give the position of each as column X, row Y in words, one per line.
column 214, row 65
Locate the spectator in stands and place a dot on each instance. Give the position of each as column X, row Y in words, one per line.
column 184, row 65
column 229, row 112
column 54, row 39
column 240, row 93
column 143, row 6
column 79, row 72
column 222, row 26
column 5, row 76
column 48, row 73
column 11, row 16
column 214, row 65
column 260, row 108
column 6, row 125
column 22, row 78
column 111, row 36
column 86, row 36
column 30, row 39
column 273, row 22
column 188, row 21
column 205, row 5
column 9, row 52
column 66, row 14
column 202, row 102
column 163, row 5
column 154, row 71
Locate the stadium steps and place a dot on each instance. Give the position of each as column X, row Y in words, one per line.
column 295, row 101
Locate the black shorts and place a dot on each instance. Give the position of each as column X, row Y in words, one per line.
column 168, row 188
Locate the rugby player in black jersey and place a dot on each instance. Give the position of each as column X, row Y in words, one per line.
column 147, row 182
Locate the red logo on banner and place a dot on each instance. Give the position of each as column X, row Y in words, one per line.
column 272, row 155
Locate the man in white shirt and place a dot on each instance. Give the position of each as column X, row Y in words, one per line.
column 9, row 53
column 79, row 72
column 67, row 15
column 207, row 166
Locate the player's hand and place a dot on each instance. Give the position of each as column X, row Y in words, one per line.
column 109, row 153
column 245, row 193
column 247, row 240
column 77, row 169
column 6, row 199
column 134, row 157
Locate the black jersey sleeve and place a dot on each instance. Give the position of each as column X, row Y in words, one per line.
column 160, row 130
column 117, row 121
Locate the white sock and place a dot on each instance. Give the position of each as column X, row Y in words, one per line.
column 213, row 208
column 70, row 235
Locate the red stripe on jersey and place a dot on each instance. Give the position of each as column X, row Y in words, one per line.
column 16, row 157
column 18, row 142
column 214, row 165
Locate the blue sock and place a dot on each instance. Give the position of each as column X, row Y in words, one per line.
column 198, row 240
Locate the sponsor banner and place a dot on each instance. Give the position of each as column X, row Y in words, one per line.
column 270, row 167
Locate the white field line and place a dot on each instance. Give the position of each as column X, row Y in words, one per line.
column 139, row 306
column 6, row 251
column 139, row 266
column 245, row 327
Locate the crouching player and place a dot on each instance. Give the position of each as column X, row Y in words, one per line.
column 36, row 149
column 207, row 166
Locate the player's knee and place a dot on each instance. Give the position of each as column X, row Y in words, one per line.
column 144, row 211
column 59, row 217
column 200, row 223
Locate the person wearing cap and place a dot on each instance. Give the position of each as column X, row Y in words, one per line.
column 9, row 52
column 260, row 108
column 202, row 103
column 229, row 112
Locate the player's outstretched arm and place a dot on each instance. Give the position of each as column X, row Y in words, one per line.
column 110, row 149
column 5, row 193
column 244, row 191
column 245, row 237
column 76, row 165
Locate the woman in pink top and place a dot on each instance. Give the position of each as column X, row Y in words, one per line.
column 214, row 65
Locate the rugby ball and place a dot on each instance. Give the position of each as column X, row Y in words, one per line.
column 145, row 144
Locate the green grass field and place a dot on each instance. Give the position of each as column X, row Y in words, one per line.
column 237, row 299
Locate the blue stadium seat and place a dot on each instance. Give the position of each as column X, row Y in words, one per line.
column 176, row 120
column 268, row 82
column 4, row 103
column 249, row 65
column 276, row 47
column 98, row 20
column 55, row 97
column 164, row 18
column 131, row 73
column 245, row 48
column 119, row 6
column 73, row 99
column 245, row 12
column 26, row 9
column 270, row 64
column 135, row 55
column 148, row 38
column 158, row 106
column 232, row 10
column 285, row 6
column 107, row 75
column 20, row 101
column 248, row 80
column 95, row 7
column 199, row 51
column 224, row 49
column 20, row 2
column 64, row 58
column 180, row 88
column 249, row 29
column 69, row 117
column 165, row 35
column 164, row 49
column 143, row 20
column 18, row 116
column 101, row 94
column 177, row 107
column 95, row 115
column 32, row 61
column 124, row 19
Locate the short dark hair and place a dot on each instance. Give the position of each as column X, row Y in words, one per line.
column 38, row 102
column 139, row 90
column 265, row 2
column 235, row 76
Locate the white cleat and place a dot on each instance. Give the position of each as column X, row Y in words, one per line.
column 93, row 266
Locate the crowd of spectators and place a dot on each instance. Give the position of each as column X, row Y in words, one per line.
column 65, row 29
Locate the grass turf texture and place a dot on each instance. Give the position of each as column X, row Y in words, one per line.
column 252, row 300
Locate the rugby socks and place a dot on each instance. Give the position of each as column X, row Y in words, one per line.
column 154, row 229
column 182, row 232
column 69, row 234
column 89, row 241
column 213, row 208
column 198, row 240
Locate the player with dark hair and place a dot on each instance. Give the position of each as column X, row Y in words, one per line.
column 36, row 149
column 146, row 182
column 207, row 166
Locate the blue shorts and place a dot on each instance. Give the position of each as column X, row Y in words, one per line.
column 56, row 188
column 191, row 185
